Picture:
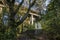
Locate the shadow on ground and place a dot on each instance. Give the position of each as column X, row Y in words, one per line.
column 33, row 35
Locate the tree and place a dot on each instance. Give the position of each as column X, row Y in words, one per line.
column 12, row 25
column 51, row 20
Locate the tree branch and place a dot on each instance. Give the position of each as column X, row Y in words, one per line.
column 10, row 3
column 20, row 4
column 26, row 15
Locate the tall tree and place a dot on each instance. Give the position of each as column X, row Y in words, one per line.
column 12, row 13
column 52, row 23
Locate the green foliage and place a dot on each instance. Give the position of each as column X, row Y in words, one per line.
column 51, row 21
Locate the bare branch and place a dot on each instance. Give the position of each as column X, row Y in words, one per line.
column 4, row 2
column 19, row 6
column 23, row 18
column 31, row 4
column 26, row 15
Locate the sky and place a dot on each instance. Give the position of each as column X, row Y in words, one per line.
column 47, row 2
column 26, row 5
column 18, row 0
